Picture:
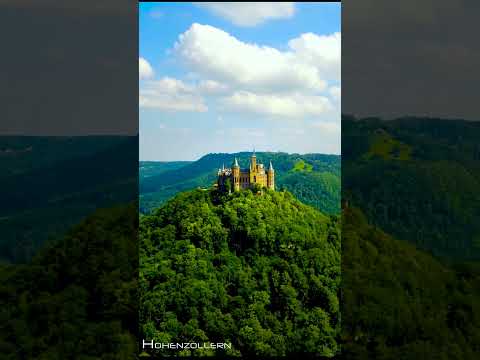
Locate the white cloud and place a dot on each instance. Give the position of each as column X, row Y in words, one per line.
column 211, row 87
column 291, row 105
column 299, row 82
column 215, row 54
column 329, row 127
column 250, row 14
column 170, row 94
column 145, row 70
column 320, row 51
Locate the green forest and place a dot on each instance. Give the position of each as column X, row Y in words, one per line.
column 417, row 179
column 266, row 272
column 313, row 178
column 261, row 271
column 77, row 298
column 402, row 303
column 410, row 228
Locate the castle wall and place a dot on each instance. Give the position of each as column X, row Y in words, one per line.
column 245, row 178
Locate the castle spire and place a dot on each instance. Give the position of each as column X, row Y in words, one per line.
column 235, row 163
column 253, row 161
column 271, row 166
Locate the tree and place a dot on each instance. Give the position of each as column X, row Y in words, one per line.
column 260, row 271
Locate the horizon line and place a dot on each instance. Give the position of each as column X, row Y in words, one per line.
column 240, row 152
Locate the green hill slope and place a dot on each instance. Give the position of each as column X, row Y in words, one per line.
column 153, row 168
column 401, row 303
column 417, row 179
column 259, row 271
column 312, row 178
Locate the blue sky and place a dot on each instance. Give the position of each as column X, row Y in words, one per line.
column 219, row 77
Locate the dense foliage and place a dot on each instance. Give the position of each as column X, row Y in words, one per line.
column 313, row 178
column 261, row 271
column 417, row 179
column 401, row 303
column 76, row 299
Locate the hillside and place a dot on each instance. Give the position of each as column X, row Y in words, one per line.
column 417, row 179
column 22, row 154
column 259, row 271
column 401, row 303
column 312, row 178
column 153, row 168
column 52, row 183
column 76, row 299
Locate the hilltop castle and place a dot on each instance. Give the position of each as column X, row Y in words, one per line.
column 246, row 178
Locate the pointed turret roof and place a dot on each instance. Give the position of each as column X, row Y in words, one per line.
column 235, row 163
column 271, row 166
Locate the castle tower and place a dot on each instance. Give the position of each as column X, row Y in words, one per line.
column 271, row 177
column 236, row 175
column 253, row 168
column 253, row 161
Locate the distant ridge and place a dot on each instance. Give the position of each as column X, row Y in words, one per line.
column 59, row 182
column 318, row 184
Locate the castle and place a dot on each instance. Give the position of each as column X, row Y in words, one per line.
column 246, row 178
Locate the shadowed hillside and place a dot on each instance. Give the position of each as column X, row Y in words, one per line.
column 402, row 303
column 411, row 279
column 51, row 183
column 76, row 299
column 417, row 179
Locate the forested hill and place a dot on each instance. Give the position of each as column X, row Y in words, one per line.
column 76, row 299
column 259, row 271
column 51, row 183
column 402, row 303
column 418, row 179
column 312, row 178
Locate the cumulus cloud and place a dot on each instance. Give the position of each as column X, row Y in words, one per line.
column 170, row 94
column 320, row 51
column 145, row 70
column 216, row 54
column 300, row 81
column 248, row 13
column 292, row 105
